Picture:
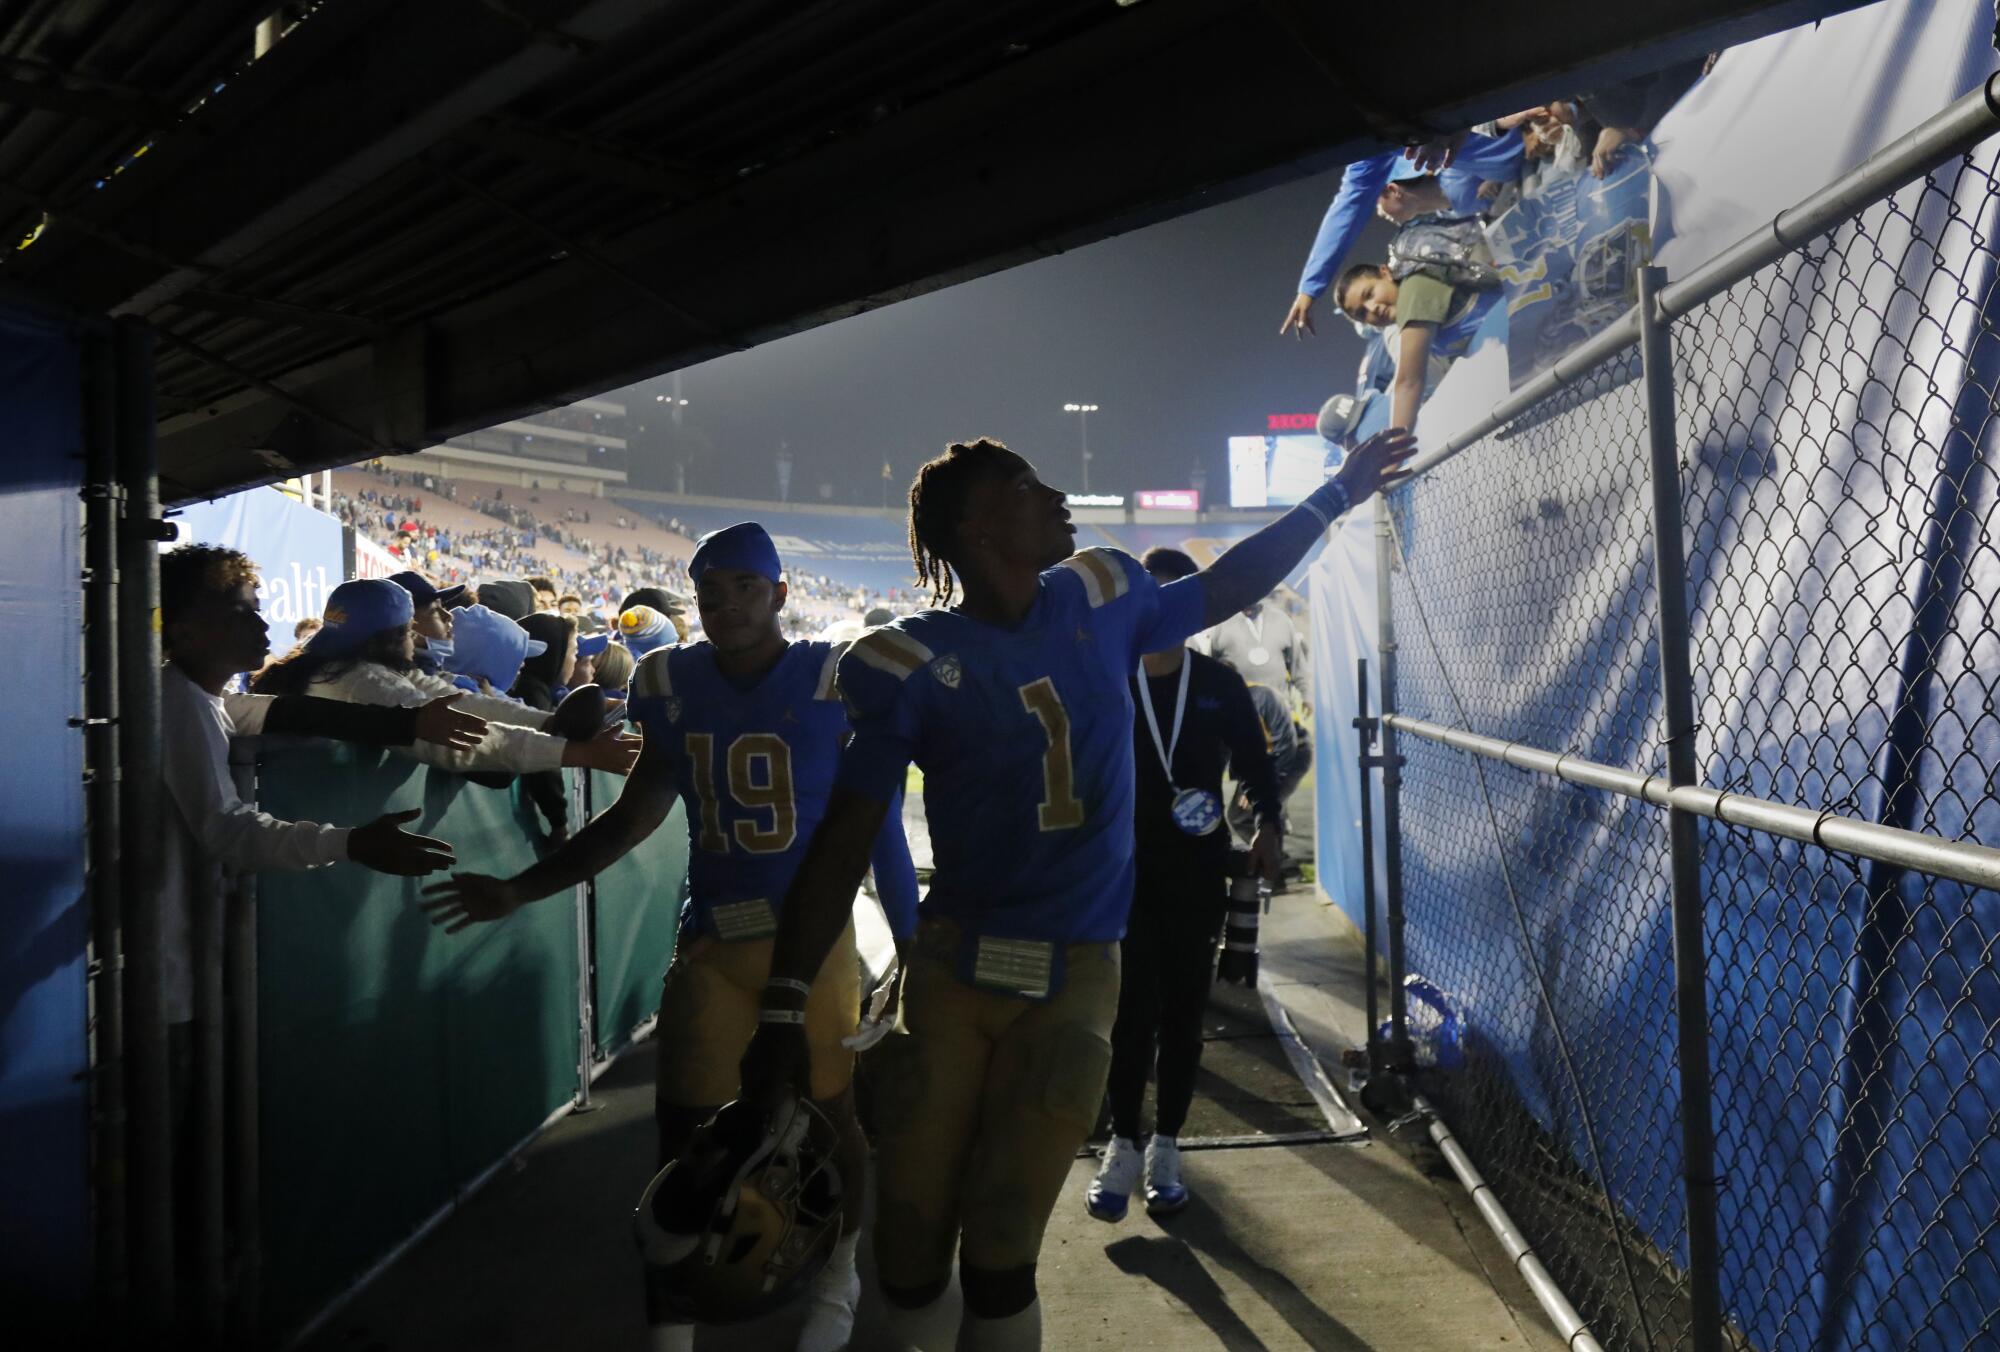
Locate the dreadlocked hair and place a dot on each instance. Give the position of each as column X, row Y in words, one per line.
column 937, row 504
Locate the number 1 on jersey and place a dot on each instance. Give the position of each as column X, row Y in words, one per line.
column 1060, row 808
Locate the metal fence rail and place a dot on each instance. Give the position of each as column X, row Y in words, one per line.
column 1690, row 662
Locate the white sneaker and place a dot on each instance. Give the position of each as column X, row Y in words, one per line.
column 830, row 1312
column 1165, row 1193
column 1111, row 1190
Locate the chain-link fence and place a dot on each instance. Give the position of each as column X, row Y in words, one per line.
column 1833, row 420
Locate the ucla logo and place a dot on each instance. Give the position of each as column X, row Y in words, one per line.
column 948, row 671
column 672, row 704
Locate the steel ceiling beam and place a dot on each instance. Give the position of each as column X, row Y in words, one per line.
column 1133, row 120
column 352, row 93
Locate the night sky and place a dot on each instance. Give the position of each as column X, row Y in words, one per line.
column 1172, row 330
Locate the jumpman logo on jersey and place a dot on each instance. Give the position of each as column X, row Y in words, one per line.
column 789, row 716
column 1082, row 634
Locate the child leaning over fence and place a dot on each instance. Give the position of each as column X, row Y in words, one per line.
column 1436, row 288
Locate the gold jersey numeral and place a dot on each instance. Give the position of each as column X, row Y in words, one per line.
column 1060, row 808
column 774, row 792
column 759, row 775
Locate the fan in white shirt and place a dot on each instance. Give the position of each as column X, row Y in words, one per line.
column 213, row 631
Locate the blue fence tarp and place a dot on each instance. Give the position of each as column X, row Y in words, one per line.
column 1837, row 422
column 44, row 1129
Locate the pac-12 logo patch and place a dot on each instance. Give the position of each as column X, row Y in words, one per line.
column 948, row 671
column 672, row 704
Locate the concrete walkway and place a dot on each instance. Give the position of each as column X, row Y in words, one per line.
column 1324, row 1245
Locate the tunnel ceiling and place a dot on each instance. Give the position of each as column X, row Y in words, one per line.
column 413, row 218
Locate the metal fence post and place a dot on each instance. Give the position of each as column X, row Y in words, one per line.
column 245, row 1161
column 1367, row 726
column 105, row 882
column 1690, row 947
column 149, row 1098
column 586, row 1012
column 1392, row 784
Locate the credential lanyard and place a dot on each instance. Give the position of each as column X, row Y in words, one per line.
column 1167, row 748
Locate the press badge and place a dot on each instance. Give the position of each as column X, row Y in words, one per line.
column 740, row 921
column 1197, row 811
column 1018, row 966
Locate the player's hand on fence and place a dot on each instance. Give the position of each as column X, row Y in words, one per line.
column 612, row 751
column 450, row 727
column 1237, row 965
column 1299, row 318
column 386, row 847
column 1377, row 464
column 469, row 899
column 1267, row 853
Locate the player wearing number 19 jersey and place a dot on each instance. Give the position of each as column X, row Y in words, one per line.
column 746, row 729
column 1016, row 706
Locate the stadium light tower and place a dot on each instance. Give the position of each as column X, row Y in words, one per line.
column 1083, row 412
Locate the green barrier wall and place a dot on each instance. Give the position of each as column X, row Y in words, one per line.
column 637, row 908
column 396, row 1062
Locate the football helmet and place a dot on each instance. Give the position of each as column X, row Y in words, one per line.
column 745, row 1217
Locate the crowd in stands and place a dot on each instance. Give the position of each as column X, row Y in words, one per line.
column 390, row 512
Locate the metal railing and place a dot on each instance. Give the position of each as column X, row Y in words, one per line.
column 1690, row 744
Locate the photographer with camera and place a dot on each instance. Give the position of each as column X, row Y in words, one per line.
column 1195, row 717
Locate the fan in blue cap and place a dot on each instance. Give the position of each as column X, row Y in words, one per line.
column 432, row 617
column 356, row 612
column 489, row 647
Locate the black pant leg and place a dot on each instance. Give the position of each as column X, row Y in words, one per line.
column 1187, row 970
column 1132, row 1035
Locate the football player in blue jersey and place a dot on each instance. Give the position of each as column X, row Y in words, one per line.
column 746, row 728
column 1015, row 703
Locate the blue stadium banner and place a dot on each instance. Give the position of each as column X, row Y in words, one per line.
column 1569, row 252
column 298, row 550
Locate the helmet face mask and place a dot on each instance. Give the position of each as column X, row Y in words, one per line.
column 736, row 1226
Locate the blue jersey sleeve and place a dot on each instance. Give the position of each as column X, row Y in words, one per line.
column 1163, row 616
column 896, row 874
column 1482, row 159
column 1352, row 208
column 1129, row 606
column 651, row 698
column 874, row 682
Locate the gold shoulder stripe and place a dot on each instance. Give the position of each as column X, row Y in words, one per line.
column 1103, row 577
column 652, row 678
column 825, row 688
column 891, row 651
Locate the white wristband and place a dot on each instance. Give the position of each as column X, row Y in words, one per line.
column 791, row 1016
column 787, row 983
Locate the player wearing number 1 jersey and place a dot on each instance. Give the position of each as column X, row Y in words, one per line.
column 1015, row 705
column 747, row 730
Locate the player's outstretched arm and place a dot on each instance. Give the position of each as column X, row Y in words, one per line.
column 1253, row 568
column 815, row 912
column 642, row 804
